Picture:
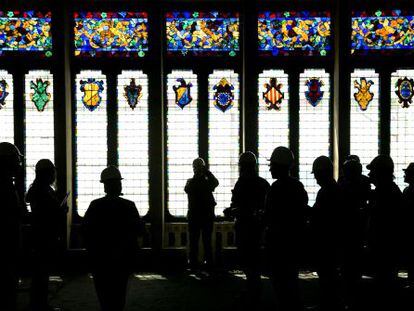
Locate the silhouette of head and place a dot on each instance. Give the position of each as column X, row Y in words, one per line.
column 381, row 169
column 10, row 160
column 45, row 172
column 352, row 168
column 409, row 173
column 322, row 169
column 199, row 166
column 247, row 163
column 281, row 162
column 111, row 178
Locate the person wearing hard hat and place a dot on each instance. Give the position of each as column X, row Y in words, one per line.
column 247, row 207
column 408, row 213
column 201, row 215
column 326, row 232
column 284, row 218
column 11, row 213
column 383, row 231
column 48, row 228
column 111, row 228
column 356, row 189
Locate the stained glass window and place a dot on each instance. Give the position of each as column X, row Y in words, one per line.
column 382, row 31
column 314, row 125
column 273, row 116
column 202, row 33
column 91, row 136
column 402, row 123
column 39, row 120
column 294, row 33
column 224, row 133
column 6, row 107
column 364, row 140
column 133, row 137
column 111, row 33
column 26, row 31
column 182, row 136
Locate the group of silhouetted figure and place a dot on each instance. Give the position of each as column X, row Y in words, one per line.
column 352, row 219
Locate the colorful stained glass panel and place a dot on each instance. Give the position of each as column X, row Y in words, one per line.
column 304, row 33
column 26, row 31
column 204, row 33
column 111, row 34
column 6, row 107
column 382, row 31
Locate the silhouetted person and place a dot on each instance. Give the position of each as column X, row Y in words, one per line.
column 201, row 215
column 408, row 213
column 285, row 219
column 383, row 235
column 326, row 229
column 111, row 228
column 356, row 190
column 48, row 221
column 247, row 206
column 10, row 211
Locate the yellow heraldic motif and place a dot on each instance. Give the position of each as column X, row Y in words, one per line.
column 364, row 95
column 92, row 90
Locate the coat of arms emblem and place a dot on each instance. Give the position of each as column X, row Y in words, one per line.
column 92, row 90
column 182, row 93
column 273, row 95
column 3, row 92
column 405, row 91
column 133, row 93
column 364, row 95
column 314, row 94
column 40, row 97
column 223, row 96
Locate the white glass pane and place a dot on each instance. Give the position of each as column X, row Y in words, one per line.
column 402, row 129
column 39, row 120
column 314, row 128
column 133, row 137
column 91, row 137
column 273, row 123
column 182, row 139
column 6, row 107
column 364, row 140
column 224, row 139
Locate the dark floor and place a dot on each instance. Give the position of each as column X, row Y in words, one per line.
column 180, row 291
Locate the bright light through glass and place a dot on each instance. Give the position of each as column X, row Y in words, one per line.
column 364, row 140
column 402, row 129
column 314, row 129
column 39, row 120
column 133, row 137
column 224, row 139
column 6, row 107
column 91, row 139
column 182, row 139
column 273, row 123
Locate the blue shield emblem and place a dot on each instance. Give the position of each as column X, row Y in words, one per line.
column 223, row 96
column 314, row 94
column 133, row 93
column 3, row 92
column 182, row 93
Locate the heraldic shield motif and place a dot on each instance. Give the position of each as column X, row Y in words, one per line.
column 314, row 94
column 40, row 97
column 405, row 91
column 133, row 93
column 92, row 90
column 182, row 93
column 364, row 95
column 223, row 96
column 273, row 96
column 3, row 92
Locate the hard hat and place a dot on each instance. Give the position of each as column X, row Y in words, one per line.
column 382, row 163
column 282, row 156
column 110, row 173
column 44, row 164
column 8, row 149
column 410, row 167
column 199, row 162
column 247, row 158
column 322, row 163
